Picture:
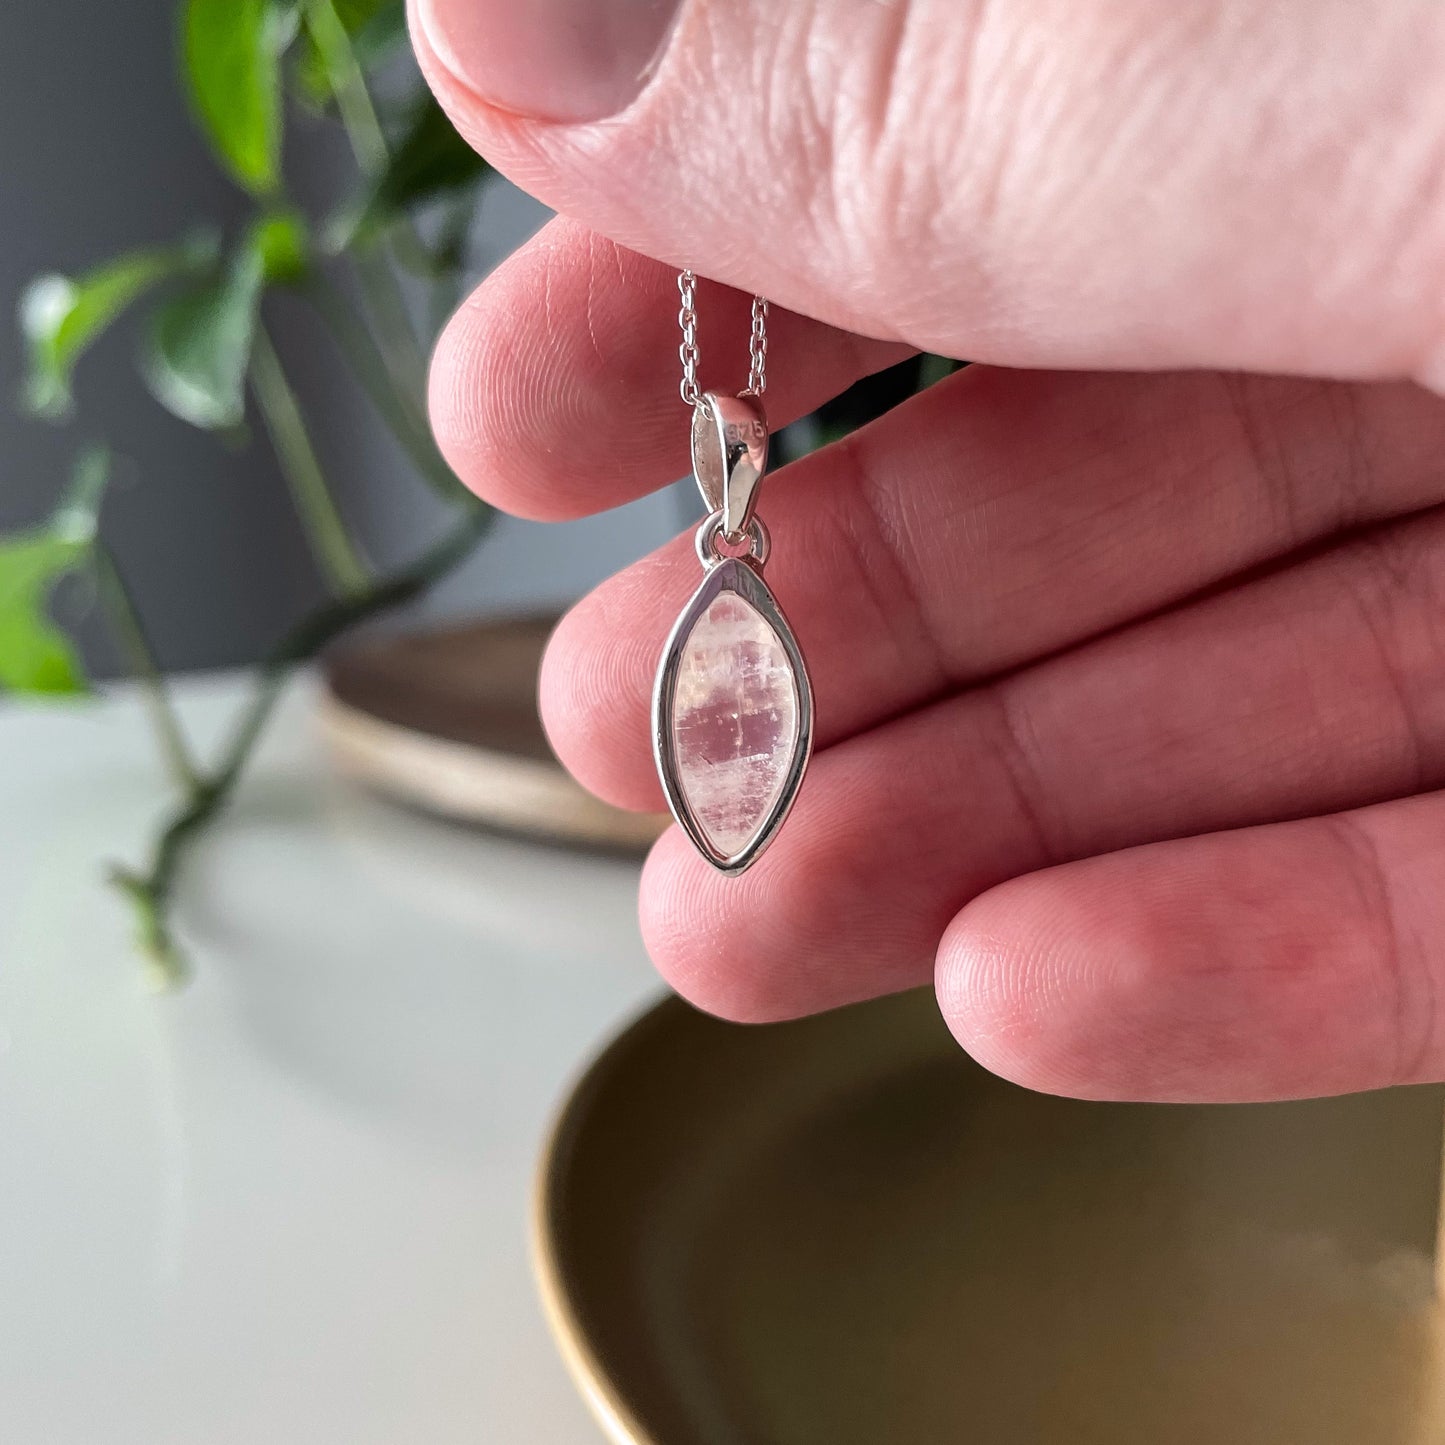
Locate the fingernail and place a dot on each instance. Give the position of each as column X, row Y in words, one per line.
column 560, row 60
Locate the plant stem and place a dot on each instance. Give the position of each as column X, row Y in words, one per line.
column 331, row 545
column 151, row 891
column 388, row 304
column 407, row 424
column 368, row 144
column 125, row 620
column 348, row 85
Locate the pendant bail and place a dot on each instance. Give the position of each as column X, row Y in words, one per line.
column 729, row 456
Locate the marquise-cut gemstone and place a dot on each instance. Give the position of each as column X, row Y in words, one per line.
column 734, row 721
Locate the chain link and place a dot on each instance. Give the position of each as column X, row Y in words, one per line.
column 758, row 348
column 689, row 352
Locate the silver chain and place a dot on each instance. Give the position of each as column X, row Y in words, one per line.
column 687, row 320
column 690, row 353
column 758, row 348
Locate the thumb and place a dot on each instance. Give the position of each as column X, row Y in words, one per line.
column 1254, row 184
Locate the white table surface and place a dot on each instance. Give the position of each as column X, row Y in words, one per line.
column 288, row 1203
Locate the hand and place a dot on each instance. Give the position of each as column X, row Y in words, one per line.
column 1130, row 688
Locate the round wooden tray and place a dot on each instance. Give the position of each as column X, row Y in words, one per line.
column 447, row 720
column 840, row 1231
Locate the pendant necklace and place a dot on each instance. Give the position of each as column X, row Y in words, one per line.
column 732, row 709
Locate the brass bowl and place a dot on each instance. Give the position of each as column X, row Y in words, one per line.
column 841, row 1230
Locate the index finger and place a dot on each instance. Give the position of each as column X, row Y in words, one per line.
column 554, row 388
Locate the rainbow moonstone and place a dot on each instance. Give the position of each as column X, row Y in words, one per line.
column 735, row 722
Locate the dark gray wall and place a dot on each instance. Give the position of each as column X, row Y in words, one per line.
column 97, row 153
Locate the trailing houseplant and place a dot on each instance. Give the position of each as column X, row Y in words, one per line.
column 377, row 273
column 252, row 69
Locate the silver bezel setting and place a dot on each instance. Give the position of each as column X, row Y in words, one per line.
column 740, row 576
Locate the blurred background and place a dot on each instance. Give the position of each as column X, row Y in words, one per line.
column 101, row 154
column 230, row 231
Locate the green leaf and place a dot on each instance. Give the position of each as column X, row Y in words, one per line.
column 933, row 368
column 283, row 244
column 430, row 161
column 377, row 32
column 199, row 344
column 35, row 654
column 232, row 60
column 362, row 17
column 61, row 317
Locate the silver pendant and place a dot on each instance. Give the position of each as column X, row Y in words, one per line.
column 732, row 710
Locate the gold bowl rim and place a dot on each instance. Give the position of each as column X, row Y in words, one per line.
column 609, row 1409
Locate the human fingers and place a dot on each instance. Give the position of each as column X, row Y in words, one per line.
column 555, row 386
column 1252, row 184
column 1285, row 961
column 1313, row 689
column 998, row 517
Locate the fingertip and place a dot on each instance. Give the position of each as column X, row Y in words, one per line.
column 498, row 397
column 773, row 943
column 696, row 925
column 594, row 701
column 544, row 392
column 1189, row 971
column 1007, row 987
column 456, row 421
column 487, row 127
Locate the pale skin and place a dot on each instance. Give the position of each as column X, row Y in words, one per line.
column 1128, row 642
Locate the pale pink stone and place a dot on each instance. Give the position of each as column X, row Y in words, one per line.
column 735, row 721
